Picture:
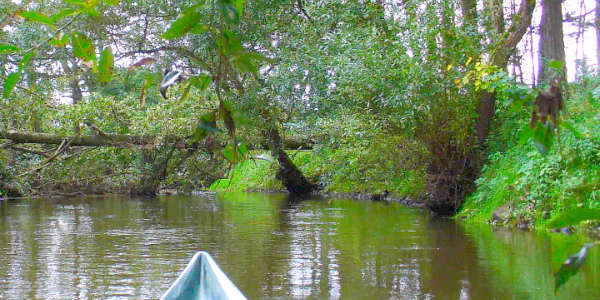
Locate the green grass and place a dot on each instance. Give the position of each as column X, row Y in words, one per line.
column 367, row 168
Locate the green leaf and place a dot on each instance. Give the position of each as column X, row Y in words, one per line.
column 183, row 24
column 242, row 149
column 555, row 64
column 239, row 5
column 245, row 65
column 571, row 266
column 186, row 92
column 107, row 63
column 11, row 81
column 25, row 60
column 75, row 2
column 574, row 216
column 90, row 4
column 199, row 29
column 569, row 126
column 228, row 153
column 60, row 40
column 206, row 124
column 83, row 47
column 235, row 154
column 92, row 12
column 112, row 2
column 5, row 48
column 62, row 14
column 35, row 16
column 543, row 137
column 201, row 81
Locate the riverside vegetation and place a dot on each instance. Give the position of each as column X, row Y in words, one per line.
column 422, row 100
column 379, row 101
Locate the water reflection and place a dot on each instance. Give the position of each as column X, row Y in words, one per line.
column 271, row 247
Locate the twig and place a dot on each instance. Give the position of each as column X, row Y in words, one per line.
column 40, row 153
column 59, row 150
column 57, row 32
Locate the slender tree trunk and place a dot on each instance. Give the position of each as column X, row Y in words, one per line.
column 486, row 105
column 447, row 189
column 598, row 34
column 552, row 46
column 497, row 14
column 469, row 11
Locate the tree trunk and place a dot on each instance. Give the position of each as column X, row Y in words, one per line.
column 291, row 177
column 552, row 46
column 469, row 12
column 448, row 188
column 598, row 35
column 123, row 140
column 486, row 105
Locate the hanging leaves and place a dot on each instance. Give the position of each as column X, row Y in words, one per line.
column 186, row 22
column 556, row 64
column 206, row 125
column 5, row 49
column 83, row 48
column 107, row 62
column 62, row 14
column 235, row 153
column 571, row 266
column 60, row 40
column 112, row 2
column 35, row 16
column 574, row 216
column 11, row 81
column 13, row 78
column 201, row 81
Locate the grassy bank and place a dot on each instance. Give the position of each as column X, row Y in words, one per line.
column 368, row 167
column 519, row 185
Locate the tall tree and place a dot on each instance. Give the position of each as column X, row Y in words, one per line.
column 598, row 34
column 552, row 47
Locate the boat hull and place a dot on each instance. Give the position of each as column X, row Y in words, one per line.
column 202, row 279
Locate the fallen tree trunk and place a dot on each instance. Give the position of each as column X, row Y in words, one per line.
column 124, row 140
column 107, row 140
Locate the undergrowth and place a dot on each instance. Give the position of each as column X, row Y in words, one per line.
column 368, row 166
column 530, row 187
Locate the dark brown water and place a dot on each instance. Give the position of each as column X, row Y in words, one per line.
column 120, row 247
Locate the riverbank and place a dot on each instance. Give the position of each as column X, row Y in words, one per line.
column 520, row 186
column 360, row 171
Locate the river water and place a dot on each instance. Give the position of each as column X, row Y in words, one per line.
column 272, row 248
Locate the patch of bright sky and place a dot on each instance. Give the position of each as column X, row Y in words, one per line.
column 582, row 48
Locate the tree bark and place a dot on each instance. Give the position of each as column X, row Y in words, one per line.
column 552, row 46
column 108, row 140
column 469, row 11
column 505, row 49
column 123, row 140
column 451, row 180
column 291, row 177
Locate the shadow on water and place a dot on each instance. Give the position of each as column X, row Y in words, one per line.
column 274, row 247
